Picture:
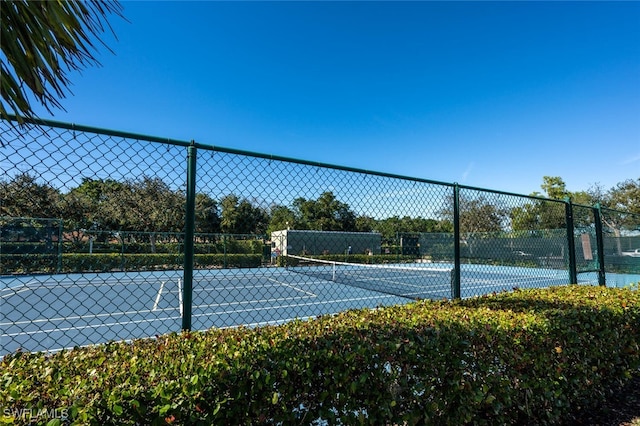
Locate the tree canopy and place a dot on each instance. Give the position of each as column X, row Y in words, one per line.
column 324, row 214
column 149, row 205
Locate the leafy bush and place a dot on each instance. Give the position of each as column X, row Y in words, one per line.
column 28, row 263
column 101, row 262
column 25, row 247
column 524, row 357
column 227, row 245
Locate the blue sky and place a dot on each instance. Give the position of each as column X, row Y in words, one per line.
column 488, row 94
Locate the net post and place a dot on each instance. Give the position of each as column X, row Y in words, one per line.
column 190, row 219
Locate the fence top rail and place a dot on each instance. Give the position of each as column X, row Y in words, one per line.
column 88, row 129
column 177, row 142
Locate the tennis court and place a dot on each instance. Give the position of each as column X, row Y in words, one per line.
column 50, row 312
column 169, row 213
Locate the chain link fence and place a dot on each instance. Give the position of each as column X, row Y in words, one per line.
column 113, row 236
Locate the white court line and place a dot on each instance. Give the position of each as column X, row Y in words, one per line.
column 293, row 287
column 92, row 282
column 294, row 305
column 245, row 302
column 514, row 273
column 198, row 289
column 11, row 291
column 232, row 287
column 44, row 286
column 94, row 326
column 488, row 286
column 205, row 314
column 481, row 284
column 226, row 304
column 146, row 311
column 18, row 288
column 487, row 282
column 34, row 285
column 79, row 317
column 155, row 305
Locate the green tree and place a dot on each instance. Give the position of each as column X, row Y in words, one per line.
column 625, row 196
column 85, row 205
column 480, row 218
column 282, row 217
column 251, row 219
column 478, row 215
column 154, row 207
column 365, row 224
column 554, row 187
column 538, row 215
column 391, row 227
column 242, row 216
column 207, row 217
column 544, row 215
column 541, row 214
column 145, row 205
column 77, row 213
column 326, row 213
column 23, row 196
column 229, row 214
column 41, row 42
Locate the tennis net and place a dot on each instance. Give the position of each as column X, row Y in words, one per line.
column 404, row 281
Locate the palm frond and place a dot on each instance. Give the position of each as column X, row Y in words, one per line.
column 41, row 41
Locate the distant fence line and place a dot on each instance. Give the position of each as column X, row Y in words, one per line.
column 147, row 203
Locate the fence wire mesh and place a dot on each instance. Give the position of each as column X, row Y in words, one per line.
column 94, row 238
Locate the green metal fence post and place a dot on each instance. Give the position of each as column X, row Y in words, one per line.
column 455, row 291
column 597, row 215
column 60, row 245
column 571, row 243
column 122, row 265
column 224, row 251
column 190, row 224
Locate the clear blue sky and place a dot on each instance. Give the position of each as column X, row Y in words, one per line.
column 488, row 94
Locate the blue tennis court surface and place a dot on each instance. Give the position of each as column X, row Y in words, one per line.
column 50, row 312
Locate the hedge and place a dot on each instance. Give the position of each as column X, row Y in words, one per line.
column 99, row 262
column 227, row 245
column 527, row 357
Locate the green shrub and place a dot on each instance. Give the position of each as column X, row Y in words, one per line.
column 28, row 263
column 514, row 358
column 9, row 247
column 227, row 245
column 105, row 262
